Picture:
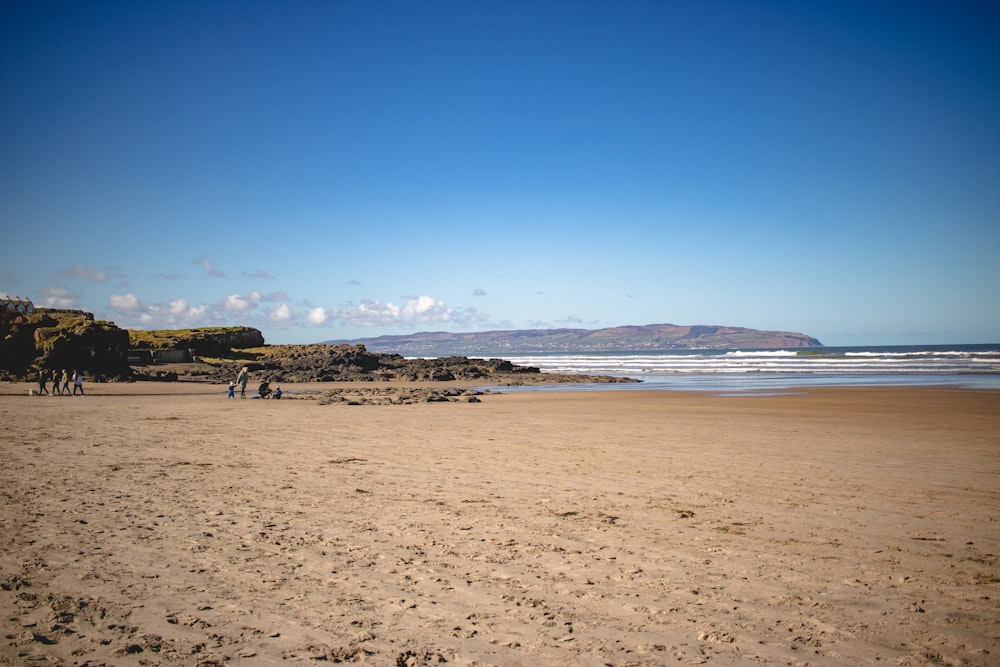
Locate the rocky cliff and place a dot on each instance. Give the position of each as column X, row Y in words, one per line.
column 61, row 339
column 209, row 342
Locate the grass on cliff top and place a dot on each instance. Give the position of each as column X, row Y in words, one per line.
column 272, row 352
column 164, row 337
column 236, row 356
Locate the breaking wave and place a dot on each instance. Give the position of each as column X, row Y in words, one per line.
column 954, row 364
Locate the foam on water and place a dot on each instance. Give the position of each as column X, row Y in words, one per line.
column 738, row 370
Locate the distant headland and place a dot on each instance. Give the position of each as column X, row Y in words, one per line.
column 645, row 338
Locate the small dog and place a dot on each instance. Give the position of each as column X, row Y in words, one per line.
column 32, row 392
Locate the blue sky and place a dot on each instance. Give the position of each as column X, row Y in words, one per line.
column 328, row 170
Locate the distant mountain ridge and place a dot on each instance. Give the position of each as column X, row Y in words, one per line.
column 648, row 338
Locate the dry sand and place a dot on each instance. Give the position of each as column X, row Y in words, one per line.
column 164, row 524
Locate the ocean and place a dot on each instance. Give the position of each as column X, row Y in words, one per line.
column 736, row 371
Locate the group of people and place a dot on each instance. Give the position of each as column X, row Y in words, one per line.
column 60, row 383
column 264, row 390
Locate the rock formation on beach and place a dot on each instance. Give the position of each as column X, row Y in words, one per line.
column 647, row 338
column 334, row 363
column 58, row 339
column 354, row 363
column 205, row 341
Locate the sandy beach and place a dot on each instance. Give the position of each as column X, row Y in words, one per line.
column 163, row 524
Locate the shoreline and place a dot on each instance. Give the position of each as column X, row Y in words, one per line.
column 291, row 389
column 820, row 527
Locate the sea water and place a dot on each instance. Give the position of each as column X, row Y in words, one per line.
column 969, row 366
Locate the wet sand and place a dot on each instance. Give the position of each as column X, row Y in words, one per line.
column 163, row 524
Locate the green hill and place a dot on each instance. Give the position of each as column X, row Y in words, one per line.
column 648, row 338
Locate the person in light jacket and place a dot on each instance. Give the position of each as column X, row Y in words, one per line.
column 242, row 380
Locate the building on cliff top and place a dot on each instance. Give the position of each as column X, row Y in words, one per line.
column 17, row 304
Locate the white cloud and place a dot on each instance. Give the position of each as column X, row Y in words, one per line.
column 316, row 316
column 238, row 303
column 125, row 302
column 58, row 297
column 282, row 314
column 426, row 308
column 239, row 309
column 422, row 310
column 130, row 311
column 479, row 291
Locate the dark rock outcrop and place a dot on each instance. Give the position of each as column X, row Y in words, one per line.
column 56, row 340
column 354, row 363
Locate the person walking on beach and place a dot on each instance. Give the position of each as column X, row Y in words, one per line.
column 232, row 389
column 78, row 383
column 65, row 383
column 242, row 380
column 55, row 384
column 42, row 377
